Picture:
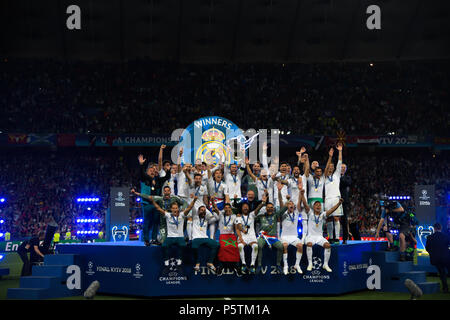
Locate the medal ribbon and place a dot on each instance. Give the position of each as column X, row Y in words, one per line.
column 317, row 220
column 316, row 184
column 216, row 187
column 225, row 222
column 175, row 220
column 291, row 218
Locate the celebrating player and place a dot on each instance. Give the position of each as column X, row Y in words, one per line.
column 228, row 251
column 315, row 232
column 175, row 222
column 289, row 229
column 269, row 230
column 246, row 234
column 332, row 196
column 151, row 185
column 233, row 177
column 199, row 218
column 264, row 182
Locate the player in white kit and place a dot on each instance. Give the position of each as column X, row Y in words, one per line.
column 315, row 232
column 246, row 234
column 264, row 182
column 175, row 233
column 316, row 181
column 282, row 175
column 233, row 177
column 289, row 229
column 217, row 190
column 332, row 196
column 199, row 218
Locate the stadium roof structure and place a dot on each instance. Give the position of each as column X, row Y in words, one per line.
column 223, row 31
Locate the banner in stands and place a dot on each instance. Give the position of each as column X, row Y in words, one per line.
column 123, row 140
column 154, row 140
column 382, row 141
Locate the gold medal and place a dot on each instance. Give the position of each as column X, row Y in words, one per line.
column 153, row 188
column 317, row 225
column 315, row 189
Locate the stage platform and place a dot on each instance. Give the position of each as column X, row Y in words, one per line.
column 130, row 268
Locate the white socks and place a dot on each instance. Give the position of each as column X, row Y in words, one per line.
column 212, row 230
column 285, row 262
column 309, row 255
column 337, row 229
column 254, row 253
column 326, row 254
column 330, row 230
column 189, row 229
column 241, row 252
column 298, row 258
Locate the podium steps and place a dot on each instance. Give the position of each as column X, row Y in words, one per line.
column 47, row 281
column 394, row 273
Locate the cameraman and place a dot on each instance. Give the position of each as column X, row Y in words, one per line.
column 396, row 210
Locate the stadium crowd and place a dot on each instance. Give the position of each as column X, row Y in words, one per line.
column 37, row 184
column 324, row 98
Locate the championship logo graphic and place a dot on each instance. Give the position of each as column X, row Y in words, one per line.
column 119, row 234
column 214, row 140
column 172, row 274
column 423, row 235
column 90, row 270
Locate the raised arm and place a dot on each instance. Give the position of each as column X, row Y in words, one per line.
column 142, row 172
column 280, row 197
column 262, row 204
column 160, row 156
column 180, row 154
column 333, row 209
column 306, row 166
column 339, row 164
column 249, row 170
column 303, row 199
column 264, row 157
column 208, row 168
column 150, row 198
column 188, row 176
column 330, row 158
column 339, row 147
column 142, row 195
column 299, row 154
column 191, row 205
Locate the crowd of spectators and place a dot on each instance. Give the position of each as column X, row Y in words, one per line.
column 80, row 97
column 37, row 184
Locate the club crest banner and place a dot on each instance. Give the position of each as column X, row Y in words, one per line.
column 212, row 140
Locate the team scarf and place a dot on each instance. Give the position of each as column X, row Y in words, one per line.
column 270, row 240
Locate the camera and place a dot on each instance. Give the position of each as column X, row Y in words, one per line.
column 388, row 204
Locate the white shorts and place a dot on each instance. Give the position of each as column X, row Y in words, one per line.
column 330, row 203
column 319, row 240
column 249, row 237
column 291, row 240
